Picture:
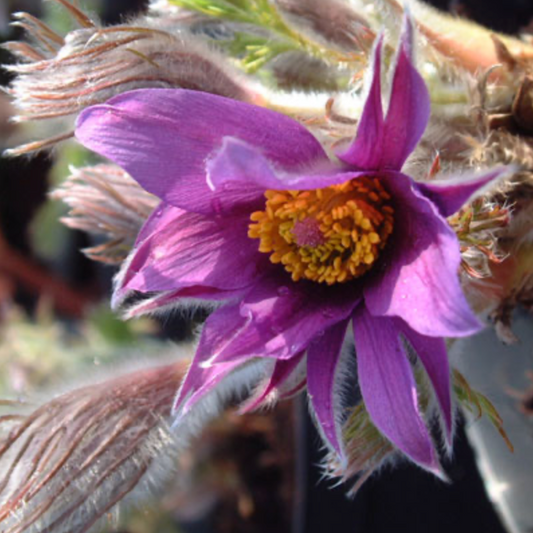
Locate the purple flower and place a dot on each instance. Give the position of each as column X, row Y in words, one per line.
column 292, row 248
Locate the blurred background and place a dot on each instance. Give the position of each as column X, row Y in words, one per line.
column 257, row 474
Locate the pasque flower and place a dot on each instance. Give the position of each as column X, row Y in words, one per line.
column 293, row 247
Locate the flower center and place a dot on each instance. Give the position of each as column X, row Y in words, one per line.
column 329, row 235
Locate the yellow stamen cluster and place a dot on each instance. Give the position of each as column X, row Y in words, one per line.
column 329, row 235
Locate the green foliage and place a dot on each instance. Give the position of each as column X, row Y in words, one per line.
column 255, row 50
column 257, row 12
column 478, row 404
column 41, row 351
column 48, row 234
column 59, row 18
column 360, row 427
column 113, row 330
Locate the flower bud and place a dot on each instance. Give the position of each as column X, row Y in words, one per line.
column 107, row 203
column 56, row 78
column 68, row 463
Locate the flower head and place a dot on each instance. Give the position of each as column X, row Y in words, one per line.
column 293, row 248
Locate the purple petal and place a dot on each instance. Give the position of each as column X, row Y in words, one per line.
column 326, row 369
column 218, row 330
column 162, row 215
column 450, row 194
column 432, row 354
column 419, row 281
column 365, row 152
column 409, row 106
column 283, row 316
column 237, row 161
column 282, row 372
column 388, row 387
column 386, row 144
column 187, row 249
column 163, row 137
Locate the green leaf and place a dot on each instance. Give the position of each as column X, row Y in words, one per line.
column 264, row 15
column 477, row 403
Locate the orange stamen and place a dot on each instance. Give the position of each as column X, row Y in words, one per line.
column 329, row 235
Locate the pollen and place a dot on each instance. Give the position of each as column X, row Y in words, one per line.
column 330, row 235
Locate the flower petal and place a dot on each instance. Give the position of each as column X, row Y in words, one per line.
column 162, row 215
column 419, row 279
column 432, row 354
column 409, row 106
column 325, row 370
column 283, row 316
column 365, row 152
column 218, row 330
column 162, row 137
column 237, row 161
column 281, row 373
column 388, row 387
column 187, row 249
column 450, row 194
column 387, row 143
